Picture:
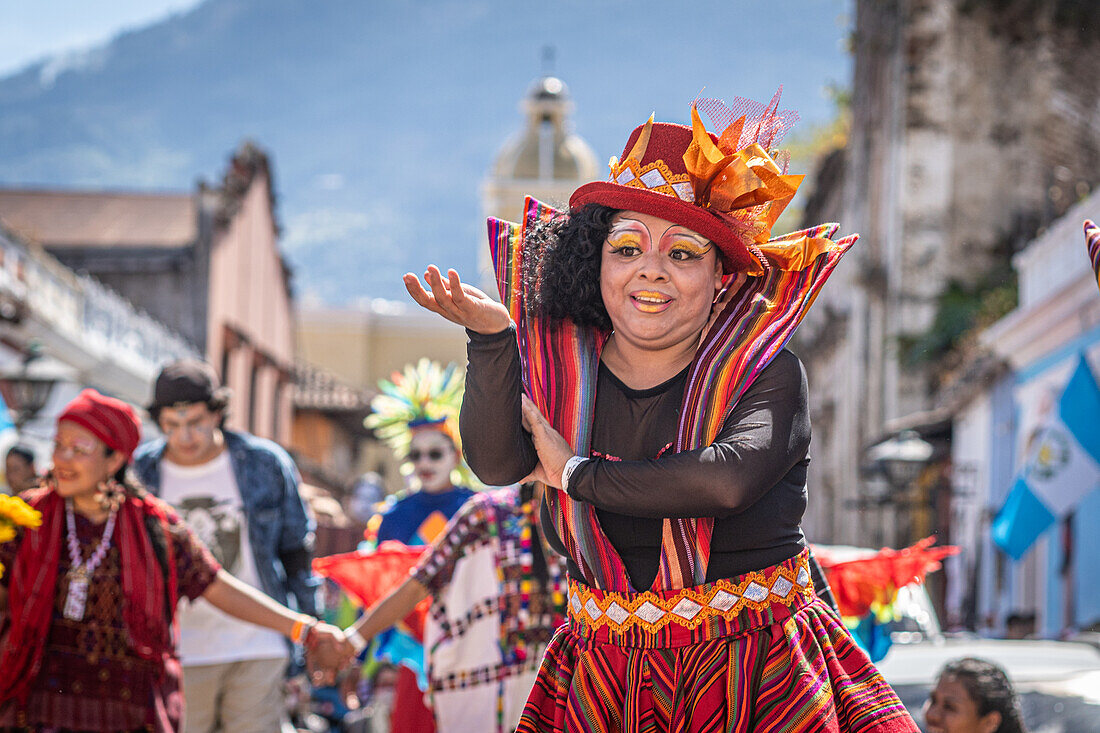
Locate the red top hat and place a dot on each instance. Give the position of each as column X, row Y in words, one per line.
column 730, row 189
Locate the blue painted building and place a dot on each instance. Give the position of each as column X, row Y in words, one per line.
column 1036, row 347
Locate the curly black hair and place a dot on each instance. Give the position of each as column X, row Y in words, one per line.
column 989, row 688
column 561, row 266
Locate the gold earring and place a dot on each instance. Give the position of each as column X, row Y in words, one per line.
column 110, row 494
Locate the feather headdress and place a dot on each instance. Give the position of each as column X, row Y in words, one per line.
column 425, row 396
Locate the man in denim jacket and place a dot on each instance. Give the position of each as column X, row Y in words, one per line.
column 239, row 493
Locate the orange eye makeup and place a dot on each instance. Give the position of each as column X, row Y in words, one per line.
column 624, row 239
column 675, row 242
column 690, row 247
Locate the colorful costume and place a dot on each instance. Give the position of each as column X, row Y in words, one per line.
column 423, row 397
column 691, row 602
column 1092, row 243
column 417, row 518
column 497, row 598
column 89, row 677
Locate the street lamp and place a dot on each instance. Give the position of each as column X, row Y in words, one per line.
column 891, row 467
column 900, row 458
column 26, row 387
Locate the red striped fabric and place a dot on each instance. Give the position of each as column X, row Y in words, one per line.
column 787, row 667
column 560, row 365
column 1092, row 242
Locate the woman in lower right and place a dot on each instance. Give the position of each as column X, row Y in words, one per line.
column 973, row 696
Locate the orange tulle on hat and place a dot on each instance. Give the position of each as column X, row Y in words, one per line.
column 730, row 188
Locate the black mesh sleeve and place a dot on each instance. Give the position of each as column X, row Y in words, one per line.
column 763, row 437
column 494, row 442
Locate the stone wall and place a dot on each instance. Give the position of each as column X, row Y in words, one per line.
column 974, row 124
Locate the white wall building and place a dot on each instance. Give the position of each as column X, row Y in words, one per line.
column 1056, row 322
column 88, row 335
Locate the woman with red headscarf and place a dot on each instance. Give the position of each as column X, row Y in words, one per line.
column 87, row 603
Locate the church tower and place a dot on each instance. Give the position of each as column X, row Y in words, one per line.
column 545, row 160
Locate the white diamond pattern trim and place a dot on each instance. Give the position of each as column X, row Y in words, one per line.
column 803, row 577
column 723, row 601
column 684, row 192
column 782, row 587
column 756, row 592
column 653, row 179
column 625, row 177
column 617, row 613
column 649, row 613
column 686, row 609
column 694, row 606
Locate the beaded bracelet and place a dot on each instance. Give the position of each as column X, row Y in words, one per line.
column 304, row 624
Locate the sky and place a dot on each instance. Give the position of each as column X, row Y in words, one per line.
column 33, row 29
column 330, row 89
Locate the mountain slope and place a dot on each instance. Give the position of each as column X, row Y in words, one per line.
column 382, row 117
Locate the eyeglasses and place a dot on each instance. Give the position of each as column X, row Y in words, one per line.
column 434, row 454
column 81, row 449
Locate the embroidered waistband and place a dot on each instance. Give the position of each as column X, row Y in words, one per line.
column 672, row 618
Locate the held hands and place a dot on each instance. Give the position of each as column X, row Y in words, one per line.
column 553, row 451
column 327, row 652
column 457, row 302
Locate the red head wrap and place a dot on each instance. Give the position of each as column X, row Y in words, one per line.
column 112, row 421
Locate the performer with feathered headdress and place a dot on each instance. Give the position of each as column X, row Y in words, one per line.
column 496, row 589
column 417, row 415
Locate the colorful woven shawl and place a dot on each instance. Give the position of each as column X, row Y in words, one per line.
column 560, row 363
column 1092, row 240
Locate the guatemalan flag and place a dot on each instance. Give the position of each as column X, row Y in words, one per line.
column 1062, row 466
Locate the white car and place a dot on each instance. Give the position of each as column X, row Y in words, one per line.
column 1058, row 682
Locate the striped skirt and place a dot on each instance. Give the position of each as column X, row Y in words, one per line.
column 759, row 652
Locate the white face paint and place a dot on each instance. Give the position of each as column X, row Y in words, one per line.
column 433, row 457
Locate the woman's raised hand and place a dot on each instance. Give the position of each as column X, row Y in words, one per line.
column 457, row 302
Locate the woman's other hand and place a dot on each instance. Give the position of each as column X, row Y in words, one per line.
column 553, row 451
column 457, row 302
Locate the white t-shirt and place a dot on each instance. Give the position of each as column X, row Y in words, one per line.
column 206, row 496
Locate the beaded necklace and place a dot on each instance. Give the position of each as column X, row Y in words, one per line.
column 80, row 573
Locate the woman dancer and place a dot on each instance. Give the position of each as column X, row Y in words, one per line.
column 87, row 601
column 650, row 325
